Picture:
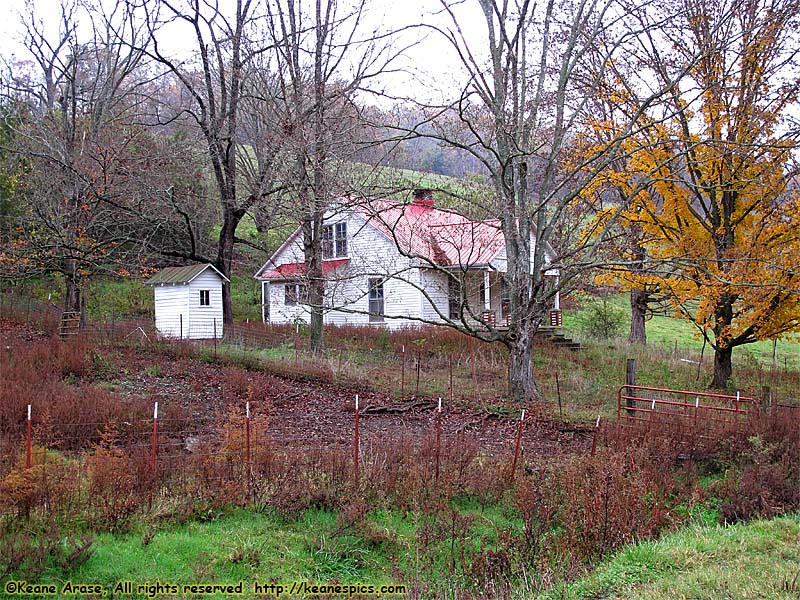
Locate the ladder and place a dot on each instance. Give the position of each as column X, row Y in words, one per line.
column 70, row 324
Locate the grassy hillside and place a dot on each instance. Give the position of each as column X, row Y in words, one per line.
column 671, row 332
column 756, row 560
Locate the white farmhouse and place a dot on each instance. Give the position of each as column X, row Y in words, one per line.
column 393, row 264
column 188, row 302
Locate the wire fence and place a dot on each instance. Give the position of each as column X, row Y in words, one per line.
column 147, row 464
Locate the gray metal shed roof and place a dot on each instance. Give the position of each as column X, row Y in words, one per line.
column 176, row 275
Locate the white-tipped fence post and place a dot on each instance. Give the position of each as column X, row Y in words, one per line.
column 28, row 449
column 153, row 454
column 355, row 451
column 438, row 439
column 247, row 446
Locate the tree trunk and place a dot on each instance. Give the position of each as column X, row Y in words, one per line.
column 72, row 299
column 316, row 331
column 312, row 250
column 723, row 368
column 224, row 263
column 639, row 300
column 521, row 382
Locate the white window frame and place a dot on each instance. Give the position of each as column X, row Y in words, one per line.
column 334, row 240
column 294, row 293
column 376, row 293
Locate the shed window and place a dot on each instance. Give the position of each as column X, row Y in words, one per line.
column 376, row 299
column 205, row 297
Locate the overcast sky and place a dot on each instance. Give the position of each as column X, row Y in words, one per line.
column 433, row 59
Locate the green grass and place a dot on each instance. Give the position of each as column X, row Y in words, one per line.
column 241, row 546
column 672, row 332
column 254, row 547
column 756, row 560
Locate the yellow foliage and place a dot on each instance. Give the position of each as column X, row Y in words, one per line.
column 706, row 195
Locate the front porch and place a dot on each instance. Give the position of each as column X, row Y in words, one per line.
column 487, row 300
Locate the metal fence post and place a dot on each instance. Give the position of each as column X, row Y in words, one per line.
column 28, row 449
column 355, row 461
column 516, row 449
column 247, row 442
column 153, row 454
column 438, row 441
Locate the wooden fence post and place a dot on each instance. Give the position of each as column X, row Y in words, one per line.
column 630, row 380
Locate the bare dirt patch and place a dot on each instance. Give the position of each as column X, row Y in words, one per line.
column 312, row 414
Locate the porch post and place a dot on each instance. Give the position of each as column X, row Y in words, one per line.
column 557, row 299
column 487, row 291
column 264, row 299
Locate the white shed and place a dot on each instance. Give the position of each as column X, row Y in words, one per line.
column 188, row 301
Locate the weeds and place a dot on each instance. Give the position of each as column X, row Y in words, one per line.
column 93, row 466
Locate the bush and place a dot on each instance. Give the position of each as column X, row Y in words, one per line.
column 601, row 320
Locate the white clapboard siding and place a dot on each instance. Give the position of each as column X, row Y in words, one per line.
column 172, row 311
column 204, row 320
column 372, row 254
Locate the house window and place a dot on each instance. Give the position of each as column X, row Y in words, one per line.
column 334, row 240
column 375, row 299
column 455, row 298
column 294, row 293
column 205, row 297
column 505, row 298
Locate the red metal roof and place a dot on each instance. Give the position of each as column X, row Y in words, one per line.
column 298, row 269
column 440, row 236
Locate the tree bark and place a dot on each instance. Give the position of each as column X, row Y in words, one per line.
column 224, row 260
column 521, row 380
column 723, row 368
column 312, row 250
column 72, row 300
column 639, row 300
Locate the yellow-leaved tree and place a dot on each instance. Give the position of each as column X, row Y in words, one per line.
column 710, row 181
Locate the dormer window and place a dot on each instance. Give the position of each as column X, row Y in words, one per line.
column 334, row 240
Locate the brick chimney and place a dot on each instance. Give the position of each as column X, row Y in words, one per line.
column 423, row 197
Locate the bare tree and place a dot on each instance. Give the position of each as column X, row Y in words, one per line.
column 325, row 58
column 527, row 95
column 214, row 81
column 77, row 142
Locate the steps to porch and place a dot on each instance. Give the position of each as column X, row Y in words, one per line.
column 557, row 338
column 553, row 332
